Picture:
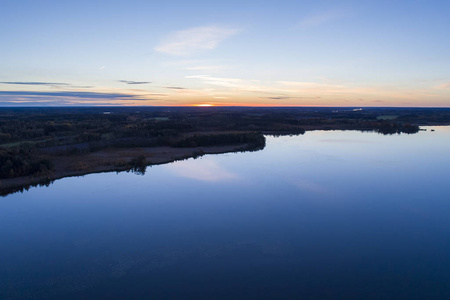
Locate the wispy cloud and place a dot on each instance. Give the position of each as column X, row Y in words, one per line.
column 195, row 40
column 175, row 88
column 82, row 86
column 34, row 83
column 309, row 84
column 322, row 88
column 322, row 18
column 290, row 91
column 224, row 82
column 134, row 82
column 78, row 95
column 234, row 85
column 277, row 98
column 444, row 86
column 50, row 84
column 238, row 84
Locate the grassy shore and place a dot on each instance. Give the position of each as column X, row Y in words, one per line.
column 111, row 160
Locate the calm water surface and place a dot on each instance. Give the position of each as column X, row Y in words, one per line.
column 326, row 215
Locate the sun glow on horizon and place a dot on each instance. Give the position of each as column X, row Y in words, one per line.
column 204, row 104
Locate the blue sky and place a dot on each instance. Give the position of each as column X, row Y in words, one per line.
column 333, row 53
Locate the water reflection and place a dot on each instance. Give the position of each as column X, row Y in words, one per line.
column 203, row 170
column 311, row 186
column 300, row 219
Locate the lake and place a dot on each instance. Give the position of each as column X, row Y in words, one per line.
column 324, row 215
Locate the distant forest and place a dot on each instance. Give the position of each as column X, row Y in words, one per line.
column 30, row 138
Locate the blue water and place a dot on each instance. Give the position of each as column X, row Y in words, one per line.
column 325, row 215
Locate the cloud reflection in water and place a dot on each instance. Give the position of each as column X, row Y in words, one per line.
column 203, row 170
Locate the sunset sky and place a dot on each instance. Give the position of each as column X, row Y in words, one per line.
column 279, row 53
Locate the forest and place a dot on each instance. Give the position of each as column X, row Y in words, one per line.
column 32, row 139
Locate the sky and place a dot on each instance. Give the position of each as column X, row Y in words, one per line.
column 248, row 53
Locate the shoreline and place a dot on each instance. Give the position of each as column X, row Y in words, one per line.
column 114, row 159
column 111, row 160
column 54, row 144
